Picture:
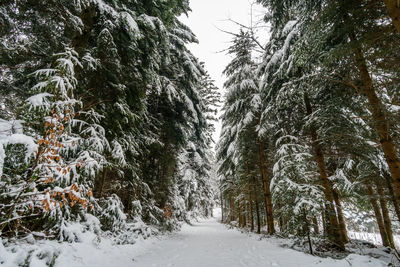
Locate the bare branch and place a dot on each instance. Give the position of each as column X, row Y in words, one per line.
column 227, row 32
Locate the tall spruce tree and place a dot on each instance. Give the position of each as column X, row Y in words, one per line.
column 142, row 130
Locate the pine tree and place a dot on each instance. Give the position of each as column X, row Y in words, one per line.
column 141, row 101
column 68, row 155
column 317, row 66
column 241, row 117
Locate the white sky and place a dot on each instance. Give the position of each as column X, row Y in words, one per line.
column 204, row 20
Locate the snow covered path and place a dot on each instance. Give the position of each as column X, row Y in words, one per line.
column 209, row 243
column 205, row 244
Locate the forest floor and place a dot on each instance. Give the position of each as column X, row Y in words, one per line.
column 207, row 243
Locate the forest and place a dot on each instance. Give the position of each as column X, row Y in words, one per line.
column 310, row 130
column 105, row 113
column 107, row 120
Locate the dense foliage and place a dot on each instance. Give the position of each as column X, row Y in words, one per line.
column 315, row 120
column 105, row 117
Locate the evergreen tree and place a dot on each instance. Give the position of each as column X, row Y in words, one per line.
column 142, row 107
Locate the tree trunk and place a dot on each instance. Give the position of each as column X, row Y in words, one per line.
column 249, row 190
column 239, row 214
column 385, row 213
column 268, row 197
column 251, row 217
column 393, row 8
column 284, row 223
column 342, row 222
column 103, row 180
column 315, row 225
column 257, row 206
column 324, row 222
column 264, row 220
column 378, row 215
column 243, row 214
column 379, row 117
column 393, row 197
column 222, row 207
column 306, row 230
column 334, row 232
column 232, row 209
column 258, row 217
column 280, row 222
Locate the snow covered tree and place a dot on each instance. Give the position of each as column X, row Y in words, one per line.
column 323, row 71
column 67, row 157
column 113, row 121
column 294, row 185
column 241, row 117
column 352, row 47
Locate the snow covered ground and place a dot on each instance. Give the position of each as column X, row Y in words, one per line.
column 206, row 243
column 372, row 237
column 209, row 243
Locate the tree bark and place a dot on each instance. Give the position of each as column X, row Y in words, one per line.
column 342, row 222
column 239, row 214
column 243, row 211
column 334, row 232
column 315, row 225
column 306, row 229
column 258, row 217
column 378, row 216
column 393, row 197
column 222, row 207
column 251, row 217
column 379, row 118
column 257, row 206
column 385, row 213
column 232, row 209
column 324, row 222
column 103, row 180
column 283, row 222
column 268, row 197
column 393, row 8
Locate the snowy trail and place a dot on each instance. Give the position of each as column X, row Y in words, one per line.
column 209, row 243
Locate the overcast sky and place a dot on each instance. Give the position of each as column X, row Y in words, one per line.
column 205, row 19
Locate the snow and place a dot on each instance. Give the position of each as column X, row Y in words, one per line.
column 185, row 34
column 247, row 84
column 2, row 157
column 148, row 21
column 248, row 118
column 374, row 238
column 205, row 243
column 256, row 101
column 394, row 108
column 9, row 127
column 190, row 106
column 18, row 138
column 132, row 27
column 288, row 27
column 39, row 100
column 105, row 8
column 210, row 243
column 118, row 153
